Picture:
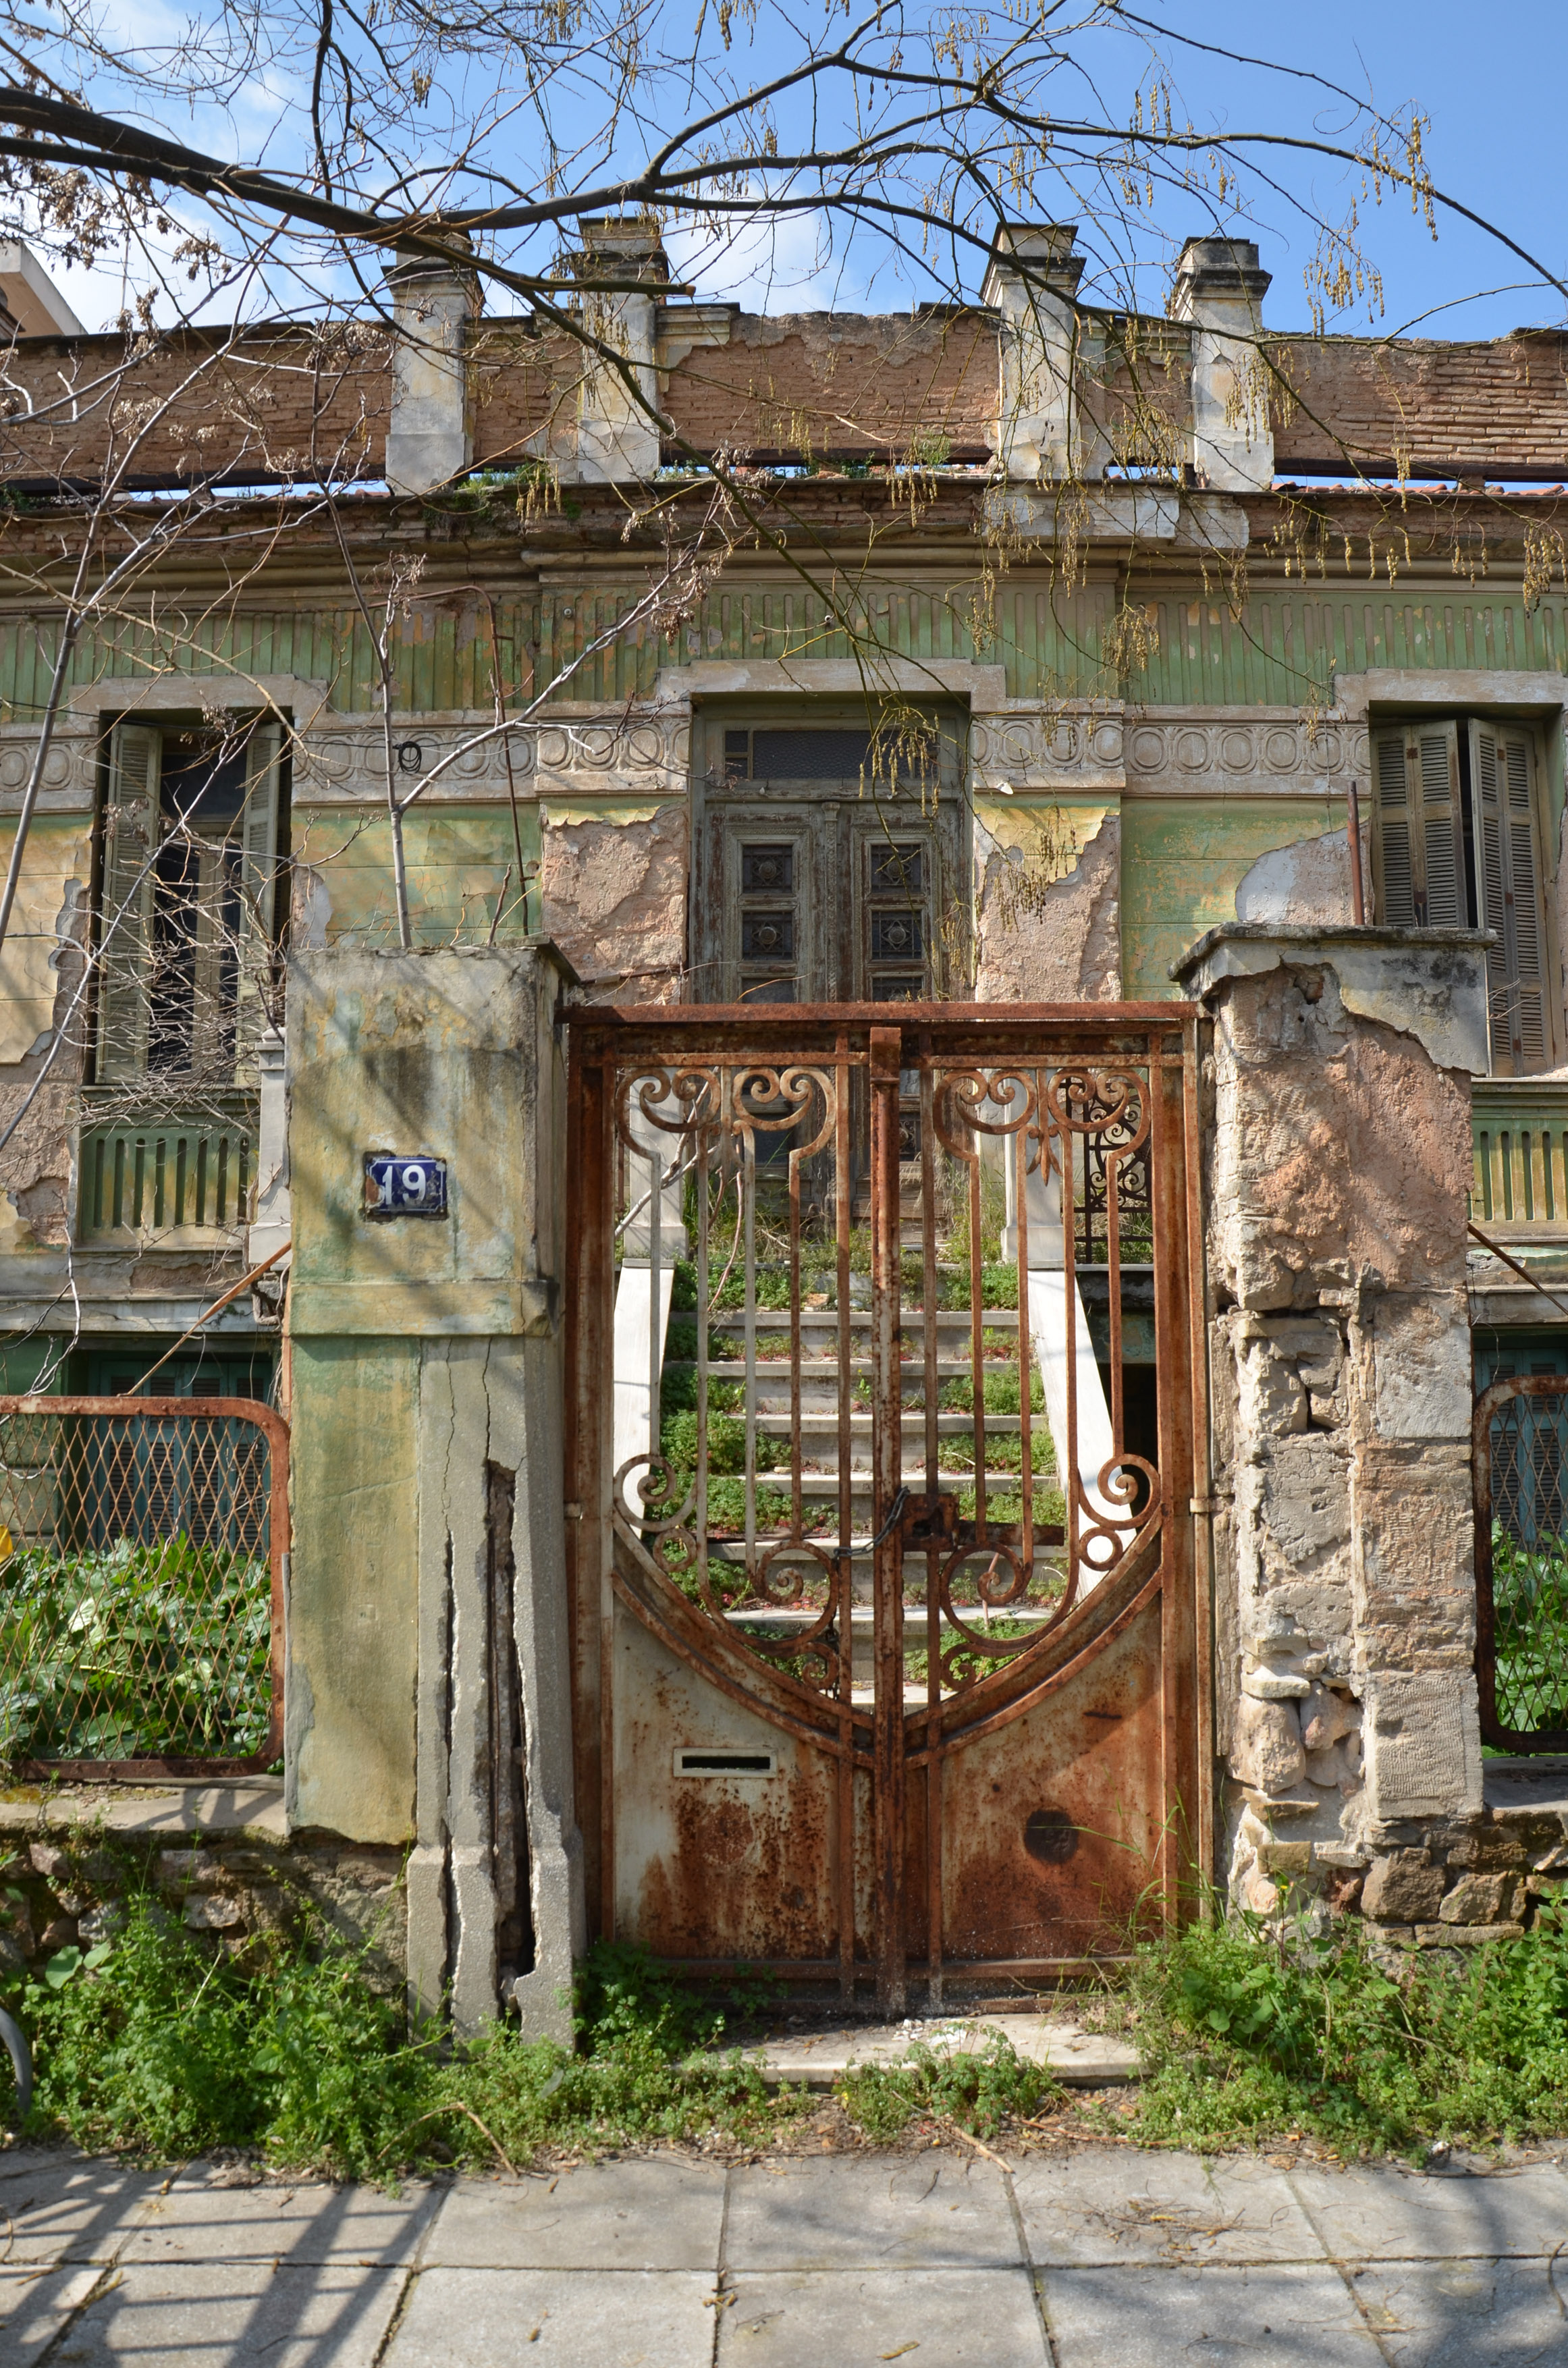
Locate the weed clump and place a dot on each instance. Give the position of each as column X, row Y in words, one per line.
column 978, row 2090
column 1245, row 2033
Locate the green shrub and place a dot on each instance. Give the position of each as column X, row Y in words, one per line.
column 134, row 1651
column 1245, row 2033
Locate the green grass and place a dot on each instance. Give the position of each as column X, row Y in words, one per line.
column 1245, row 2035
column 134, row 1651
column 153, row 2046
column 159, row 2045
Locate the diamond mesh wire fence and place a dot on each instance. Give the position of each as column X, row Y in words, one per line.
column 141, row 1553
column 1521, row 1470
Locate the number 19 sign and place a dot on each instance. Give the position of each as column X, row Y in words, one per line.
column 399, row 1185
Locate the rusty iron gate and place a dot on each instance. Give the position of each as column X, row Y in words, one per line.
column 144, row 1569
column 1519, row 1446
column 889, row 1646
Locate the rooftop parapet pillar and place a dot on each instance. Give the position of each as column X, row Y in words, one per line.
column 1219, row 288
column 1041, row 431
column 617, row 442
column 429, row 435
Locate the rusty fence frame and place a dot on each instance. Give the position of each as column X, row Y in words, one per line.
column 603, row 1037
column 276, row 1432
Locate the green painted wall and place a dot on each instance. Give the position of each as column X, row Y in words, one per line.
column 354, row 1600
column 1182, row 861
column 456, row 862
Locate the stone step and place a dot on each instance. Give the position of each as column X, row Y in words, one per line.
column 815, row 2057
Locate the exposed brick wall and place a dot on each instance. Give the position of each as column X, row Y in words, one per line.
column 279, row 405
column 287, row 404
column 1498, row 410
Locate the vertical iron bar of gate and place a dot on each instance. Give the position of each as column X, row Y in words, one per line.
column 887, row 1558
column 1173, row 1323
column 931, row 1338
column 1202, row 1483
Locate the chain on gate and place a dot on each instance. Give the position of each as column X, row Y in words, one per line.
column 142, row 1552
column 1520, row 1448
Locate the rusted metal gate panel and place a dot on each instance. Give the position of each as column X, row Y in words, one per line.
column 144, row 1569
column 887, row 1641
column 1520, row 1454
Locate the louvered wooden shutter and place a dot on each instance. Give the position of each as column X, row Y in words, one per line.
column 1508, row 866
column 125, row 918
column 1420, row 837
column 258, row 875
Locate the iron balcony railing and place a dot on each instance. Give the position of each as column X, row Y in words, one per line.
column 180, row 1181
column 1519, row 1127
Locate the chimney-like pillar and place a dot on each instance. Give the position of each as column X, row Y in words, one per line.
column 1041, row 432
column 429, row 435
column 1219, row 288
column 617, row 443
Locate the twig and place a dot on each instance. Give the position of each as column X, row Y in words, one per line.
column 453, row 2106
column 978, row 2143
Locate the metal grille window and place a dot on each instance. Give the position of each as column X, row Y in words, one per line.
column 143, row 1545
column 1520, row 1449
column 1459, row 845
column 186, row 918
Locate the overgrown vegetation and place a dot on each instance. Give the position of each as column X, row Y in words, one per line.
column 1529, row 1594
column 160, row 2044
column 1245, row 2035
column 134, row 1651
column 152, row 2044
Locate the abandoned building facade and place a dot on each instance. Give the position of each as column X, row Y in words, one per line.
column 874, row 1313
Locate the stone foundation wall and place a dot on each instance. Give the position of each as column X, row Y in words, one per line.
column 59, row 1888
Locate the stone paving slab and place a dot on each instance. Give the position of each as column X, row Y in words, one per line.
column 197, row 2314
column 1131, row 2257
column 556, row 2318
column 660, row 2214
column 204, row 2218
column 1280, row 2315
column 817, row 2058
column 66, row 2207
column 1467, row 2314
column 1391, row 2213
column 36, row 2306
column 1103, row 2205
column 940, row 2318
column 844, row 2212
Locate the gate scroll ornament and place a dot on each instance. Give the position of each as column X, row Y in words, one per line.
column 858, row 1491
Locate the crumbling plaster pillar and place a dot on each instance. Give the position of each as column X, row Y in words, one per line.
column 429, row 433
column 1219, row 288
column 1339, row 1161
column 429, row 1693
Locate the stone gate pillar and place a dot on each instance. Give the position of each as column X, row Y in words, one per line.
column 1338, row 1159
column 428, row 1689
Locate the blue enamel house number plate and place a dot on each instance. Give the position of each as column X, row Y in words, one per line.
column 398, row 1184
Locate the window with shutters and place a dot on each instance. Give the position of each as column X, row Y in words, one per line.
column 187, row 921
column 1458, row 843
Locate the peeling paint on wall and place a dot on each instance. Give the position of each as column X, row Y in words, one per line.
column 613, row 898
column 1305, row 884
column 1048, row 921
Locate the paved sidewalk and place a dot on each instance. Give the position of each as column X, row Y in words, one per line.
column 1096, row 2257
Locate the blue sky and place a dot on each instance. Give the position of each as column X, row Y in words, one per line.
column 1492, row 87
column 1492, row 84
